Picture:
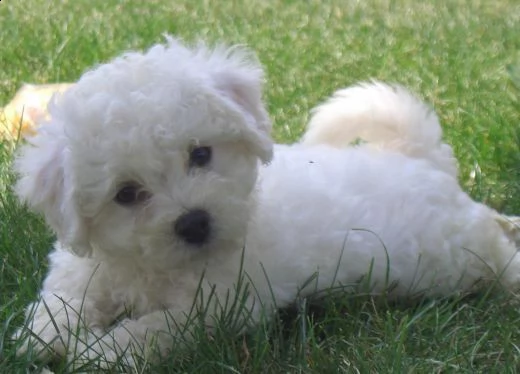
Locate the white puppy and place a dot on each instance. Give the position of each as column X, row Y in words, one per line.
column 157, row 174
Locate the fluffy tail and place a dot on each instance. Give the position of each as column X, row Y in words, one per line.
column 383, row 116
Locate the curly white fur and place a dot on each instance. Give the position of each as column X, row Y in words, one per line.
column 384, row 116
column 394, row 210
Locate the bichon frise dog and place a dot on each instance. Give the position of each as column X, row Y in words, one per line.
column 158, row 175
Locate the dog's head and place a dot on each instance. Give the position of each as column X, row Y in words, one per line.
column 152, row 154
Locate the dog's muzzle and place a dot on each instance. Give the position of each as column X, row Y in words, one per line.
column 194, row 227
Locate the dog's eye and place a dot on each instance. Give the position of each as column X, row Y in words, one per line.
column 130, row 194
column 200, row 156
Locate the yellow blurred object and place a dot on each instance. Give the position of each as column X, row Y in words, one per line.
column 28, row 108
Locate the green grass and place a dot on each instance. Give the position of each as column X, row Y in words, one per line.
column 455, row 54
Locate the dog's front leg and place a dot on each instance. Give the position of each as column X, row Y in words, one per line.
column 68, row 305
column 153, row 335
column 54, row 323
column 149, row 336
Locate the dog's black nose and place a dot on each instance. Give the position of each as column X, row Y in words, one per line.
column 194, row 227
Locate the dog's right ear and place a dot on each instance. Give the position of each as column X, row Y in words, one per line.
column 238, row 79
column 45, row 186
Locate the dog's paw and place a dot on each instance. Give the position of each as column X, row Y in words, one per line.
column 99, row 351
column 43, row 347
column 43, row 335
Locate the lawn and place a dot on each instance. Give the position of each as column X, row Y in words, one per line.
column 458, row 55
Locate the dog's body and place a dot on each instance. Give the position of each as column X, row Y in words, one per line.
column 150, row 173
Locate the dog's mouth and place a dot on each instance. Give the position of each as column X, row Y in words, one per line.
column 194, row 227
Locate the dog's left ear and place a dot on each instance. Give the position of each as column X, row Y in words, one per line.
column 239, row 82
column 44, row 184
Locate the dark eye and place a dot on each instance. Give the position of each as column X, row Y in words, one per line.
column 200, row 156
column 130, row 194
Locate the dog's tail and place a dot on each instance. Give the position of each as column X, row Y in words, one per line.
column 383, row 116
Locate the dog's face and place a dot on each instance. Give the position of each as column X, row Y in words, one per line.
column 153, row 155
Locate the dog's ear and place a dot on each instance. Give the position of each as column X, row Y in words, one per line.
column 239, row 81
column 45, row 186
